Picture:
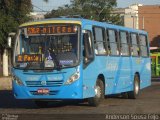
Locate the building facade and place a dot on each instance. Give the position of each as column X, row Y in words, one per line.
column 149, row 20
column 131, row 18
column 37, row 15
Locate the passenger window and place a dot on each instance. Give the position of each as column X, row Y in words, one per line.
column 143, row 45
column 100, row 42
column 124, row 45
column 135, row 51
column 112, row 42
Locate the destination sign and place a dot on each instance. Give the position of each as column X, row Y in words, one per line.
column 29, row 58
column 34, row 30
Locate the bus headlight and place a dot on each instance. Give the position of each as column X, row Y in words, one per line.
column 17, row 80
column 73, row 78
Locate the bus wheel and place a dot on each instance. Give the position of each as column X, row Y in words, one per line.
column 41, row 104
column 99, row 94
column 136, row 88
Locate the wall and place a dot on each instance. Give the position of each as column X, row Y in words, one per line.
column 131, row 16
column 149, row 20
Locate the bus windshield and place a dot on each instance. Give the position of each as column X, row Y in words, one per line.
column 39, row 48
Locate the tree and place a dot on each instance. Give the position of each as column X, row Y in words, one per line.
column 61, row 11
column 100, row 10
column 13, row 13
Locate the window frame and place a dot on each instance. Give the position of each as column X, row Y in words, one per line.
column 128, row 43
column 116, row 39
column 131, row 45
column 105, row 44
column 146, row 40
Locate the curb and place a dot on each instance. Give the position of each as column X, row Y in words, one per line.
column 5, row 83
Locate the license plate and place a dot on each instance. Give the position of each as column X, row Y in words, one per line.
column 43, row 91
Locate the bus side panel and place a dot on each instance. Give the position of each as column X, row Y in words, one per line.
column 123, row 79
column 118, row 75
column 143, row 67
column 89, row 80
column 145, row 73
column 111, row 74
column 102, row 65
column 116, row 72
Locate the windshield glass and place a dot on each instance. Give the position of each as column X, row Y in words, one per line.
column 47, row 48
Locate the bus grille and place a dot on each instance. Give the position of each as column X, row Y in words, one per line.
column 46, row 84
column 50, row 93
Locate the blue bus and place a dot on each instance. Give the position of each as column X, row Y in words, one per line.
column 75, row 58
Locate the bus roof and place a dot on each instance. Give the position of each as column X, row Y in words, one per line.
column 81, row 21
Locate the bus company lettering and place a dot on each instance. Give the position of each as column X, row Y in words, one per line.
column 112, row 66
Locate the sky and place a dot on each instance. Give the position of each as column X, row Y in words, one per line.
column 53, row 4
column 126, row 3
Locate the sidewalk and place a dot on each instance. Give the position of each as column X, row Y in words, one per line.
column 5, row 83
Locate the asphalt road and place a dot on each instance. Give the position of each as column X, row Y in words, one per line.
column 147, row 103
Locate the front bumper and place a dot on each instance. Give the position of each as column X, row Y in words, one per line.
column 73, row 91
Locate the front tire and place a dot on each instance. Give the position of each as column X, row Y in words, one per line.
column 99, row 94
column 136, row 88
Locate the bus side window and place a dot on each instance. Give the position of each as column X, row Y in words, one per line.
column 135, row 51
column 124, row 43
column 143, row 45
column 88, row 48
column 112, row 42
column 99, row 41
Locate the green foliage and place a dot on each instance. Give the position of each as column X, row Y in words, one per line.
column 100, row 10
column 13, row 13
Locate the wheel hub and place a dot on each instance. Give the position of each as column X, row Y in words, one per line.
column 136, row 87
column 98, row 91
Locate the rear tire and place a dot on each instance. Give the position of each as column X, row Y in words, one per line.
column 41, row 104
column 136, row 88
column 99, row 94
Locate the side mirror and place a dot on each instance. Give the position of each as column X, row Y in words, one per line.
column 9, row 39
